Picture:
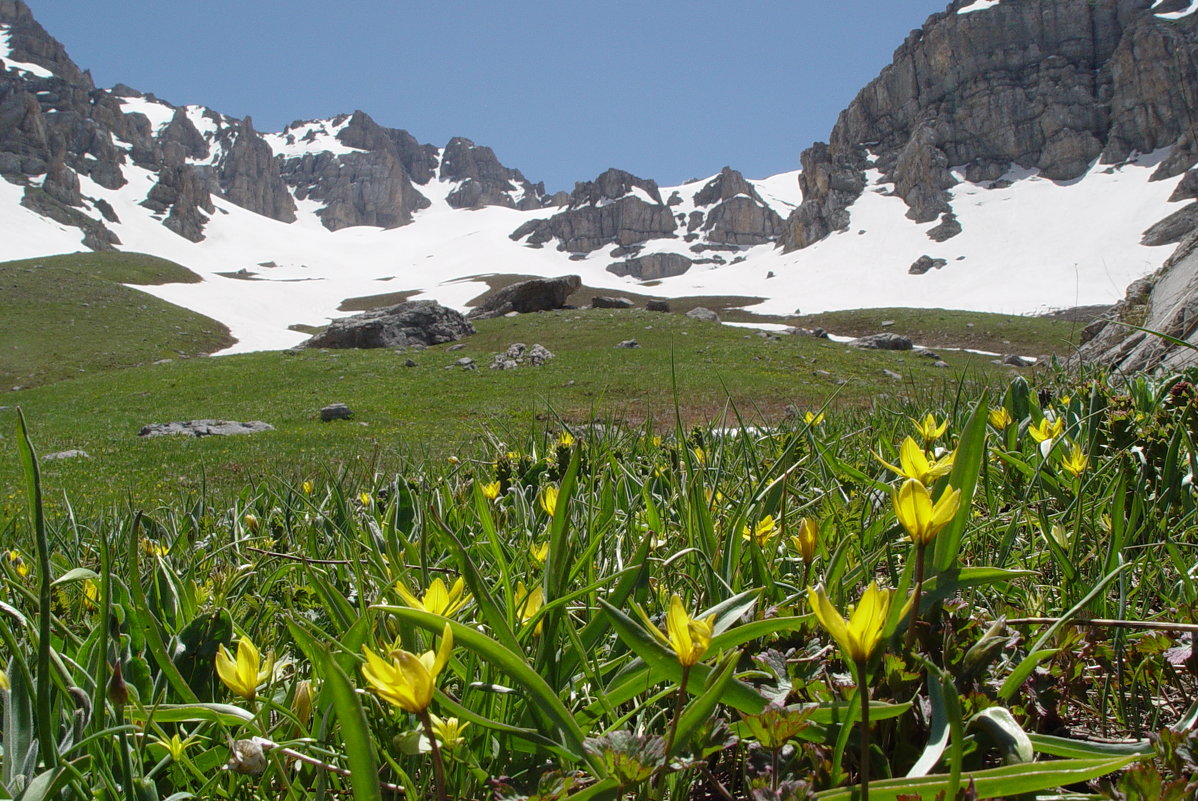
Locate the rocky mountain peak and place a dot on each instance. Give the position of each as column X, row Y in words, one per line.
column 484, row 181
column 612, row 184
column 29, row 44
column 725, row 186
column 1050, row 85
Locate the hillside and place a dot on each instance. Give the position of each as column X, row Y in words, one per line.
column 66, row 316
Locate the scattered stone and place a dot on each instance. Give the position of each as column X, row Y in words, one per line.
column 892, row 374
column 658, row 306
column 652, row 267
column 535, row 294
column 819, row 333
column 518, row 355
column 939, row 363
column 204, row 428
column 629, row 343
column 71, row 454
column 465, row 362
column 458, row 346
column 925, row 263
column 949, row 227
column 611, row 303
column 925, row 353
column 416, row 322
column 409, row 363
column 883, row 341
column 823, row 373
column 164, row 361
column 703, row 313
column 1013, row 360
column 336, row 411
column 886, row 323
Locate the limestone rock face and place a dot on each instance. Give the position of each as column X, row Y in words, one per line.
column 533, row 295
column 416, row 322
column 1166, row 302
column 369, row 188
column 419, row 161
column 484, row 181
column 183, row 192
column 737, row 214
column 249, row 175
column 1050, row 85
column 652, row 267
column 616, row 208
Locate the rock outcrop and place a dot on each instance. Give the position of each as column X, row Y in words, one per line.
column 416, row 322
column 1050, row 85
column 652, row 267
column 249, row 174
column 735, row 213
column 616, row 208
column 484, row 181
column 533, row 295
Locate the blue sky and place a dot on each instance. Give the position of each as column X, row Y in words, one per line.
column 561, row 89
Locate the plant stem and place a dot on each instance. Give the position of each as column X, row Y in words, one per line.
column 920, row 551
column 438, row 765
column 863, row 691
column 678, row 704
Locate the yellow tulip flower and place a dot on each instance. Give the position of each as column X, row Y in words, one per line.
column 922, row 519
column 860, row 635
column 1076, row 461
column 244, row 674
column 806, row 540
column 308, row 487
column 929, row 429
column 407, row 680
column 3, row 680
column 916, row 465
column 448, row 732
column 1046, row 429
column 549, row 500
column 539, row 551
column 565, row 439
column 19, row 564
column 437, row 599
column 529, row 603
column 490, row 491
column 765, row 529
column 1000, row 418
column 688, row 637
column 813, row 420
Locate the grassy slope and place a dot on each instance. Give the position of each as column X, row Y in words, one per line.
column 65, row 316
column 436, row 407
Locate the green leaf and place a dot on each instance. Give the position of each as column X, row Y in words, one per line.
column 1006, row 734
column 225, row 714
column 1009, row 780
column 76, row 574
column 698, row 711
column 1083, row 749
column 971, row 452
column 1023, row 670
column 355, row 732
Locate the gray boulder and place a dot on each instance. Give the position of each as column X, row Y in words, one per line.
column 883, row 341
column 204, row 428
column 416, row 322
column 925, row 263
column 336, row 411
column 71, row 454
column 703, row 313
column 611, row 303
column 657, row 306
column 536, row 294
column 652, row 267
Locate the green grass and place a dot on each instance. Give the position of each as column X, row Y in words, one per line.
column 67, row 316
column 938, row 328
column 438, row 408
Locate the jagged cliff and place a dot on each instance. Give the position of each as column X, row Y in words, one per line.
column 1050, row 85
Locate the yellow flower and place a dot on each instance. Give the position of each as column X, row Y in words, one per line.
column 245, row 674
column 175, row 745
column 549, row 500
column 860, row 635
column 539, row 551
column 762, row 532
column 453, row 460
column 301, row 702
column 308, row 487
column 1076, row 461
column 806, row 540
column 1046, row 430
column 566, row 439
column 1000, row 418
column 929, row 429
column 917, row 466
column 153, row 547
column 656, row 440
column 813, row 419
column 408, row 680
column 250, row 521
column 365, row 498
column 437, row 599
column 91, row 594
column 529, row 603
column 688, row 637
column 448, row 732
column 922, row 519
column 490, row 491
column 3, row 680
column 700, row 454
column 18, row 563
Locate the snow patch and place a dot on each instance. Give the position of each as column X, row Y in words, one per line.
column 158, row 113
column 1185, row 12
column 978, row 5
column 313, row 136
column 36, row 70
